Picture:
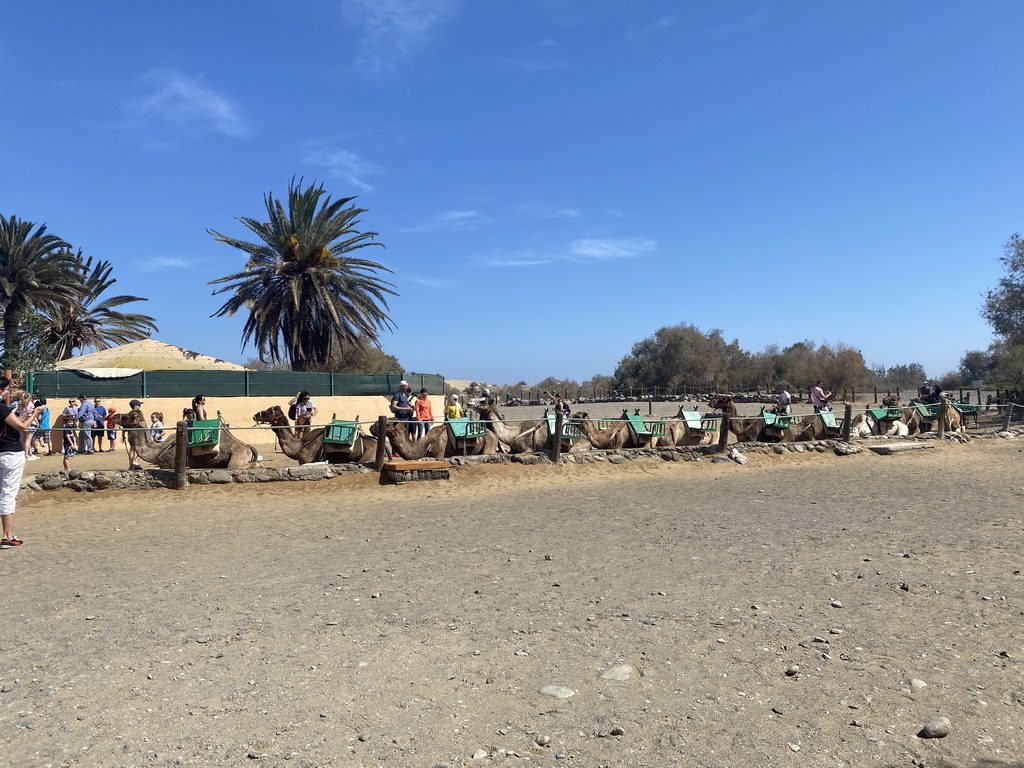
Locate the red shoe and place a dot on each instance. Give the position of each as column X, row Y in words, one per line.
column 14, row 541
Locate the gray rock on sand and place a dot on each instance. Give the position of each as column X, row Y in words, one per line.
column 936, row 728
column 556, row 691
column 617, row 672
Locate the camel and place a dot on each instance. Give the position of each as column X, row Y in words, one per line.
column 679, row 432
column 520, row 437
column 308, row 447
column 809, row 427
column 917, row 423
column 745, row 430
column 436, row 444
column 611, row 438
column 231, row 453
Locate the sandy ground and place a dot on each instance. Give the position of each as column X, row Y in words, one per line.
column 346, row 623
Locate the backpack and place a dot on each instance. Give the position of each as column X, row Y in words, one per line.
column 293, row 411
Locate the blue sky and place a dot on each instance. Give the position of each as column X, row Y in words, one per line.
column 554, row 180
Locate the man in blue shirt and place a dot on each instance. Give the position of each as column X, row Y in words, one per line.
column 402, row 408
column 86, row 423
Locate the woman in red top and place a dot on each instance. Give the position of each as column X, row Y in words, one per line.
column 424, row 413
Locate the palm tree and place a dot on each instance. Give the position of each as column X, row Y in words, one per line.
column 305, row 293
column 37, row 272
column 94, row 323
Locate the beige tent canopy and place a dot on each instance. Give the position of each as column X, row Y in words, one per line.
column 145, row 355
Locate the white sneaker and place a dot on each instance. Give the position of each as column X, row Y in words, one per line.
column 31, row 458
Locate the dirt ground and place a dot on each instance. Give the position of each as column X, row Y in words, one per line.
column 347, row 623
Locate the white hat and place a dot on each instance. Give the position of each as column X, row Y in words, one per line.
column 455, row 398
column 403, row 383
column 487, row 391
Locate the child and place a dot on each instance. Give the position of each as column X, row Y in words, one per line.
column 112, row 428
column 157, row 426
column 24, row 407
column 68, row 423
column 41, row 437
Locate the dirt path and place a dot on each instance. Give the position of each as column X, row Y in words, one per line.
column 345, row 623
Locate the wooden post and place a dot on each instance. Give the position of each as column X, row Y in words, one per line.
column 180, row 456
column 650, row 406
column 847, row 422
column 723, row 432
column 898, row 394
column 556, row 440
column 943, row 408
column 382, row 441
column 1006, row 416
column 875, row 401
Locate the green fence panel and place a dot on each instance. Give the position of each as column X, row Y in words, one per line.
column 188, row 384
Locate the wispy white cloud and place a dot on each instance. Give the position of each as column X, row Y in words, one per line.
column 524, row 261
column 584, row 250
column 342, row 164
column 393, row 30
column 432, row 283
column 179, row 99
column 747, row 21
column 550, row 213
column 643, row 35
column 446, row 220
column 163, row 264
column 608, row 249
column 533, row 64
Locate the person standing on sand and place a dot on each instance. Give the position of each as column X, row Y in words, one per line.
column 111, row 428
column 86, row 423
column 819, row 397
column 424, row 414
column 403, row 409
column 785, row 401
column 134, row 461
column 305, row 411
column 67, row 441
column 12, row 461
column 41, row 438
column 101, row 420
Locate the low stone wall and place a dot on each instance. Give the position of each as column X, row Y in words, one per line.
column 147, row 479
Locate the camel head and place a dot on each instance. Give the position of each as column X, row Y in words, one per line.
column 580, row 415
column 273, row 415
column 488, row 411
column 131, row 420
column 723, row 403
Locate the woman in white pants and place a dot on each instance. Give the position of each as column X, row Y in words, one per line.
column 12, row 460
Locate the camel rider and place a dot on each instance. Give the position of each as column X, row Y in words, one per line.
column 785, row 401
column 453, row 410
column 403, row 409
column 484, row 405
column 558, row 404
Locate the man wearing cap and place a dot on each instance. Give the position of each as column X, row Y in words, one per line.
column 86, row 423
column 403, row 409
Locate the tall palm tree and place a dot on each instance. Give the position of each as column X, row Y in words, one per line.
column 37, row 272
column 304, row 292
column 94, row 322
